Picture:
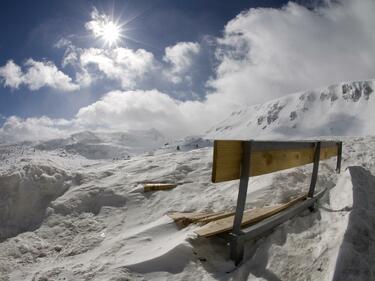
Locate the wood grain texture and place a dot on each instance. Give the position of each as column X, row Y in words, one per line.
column 249, row 217
column 185, row 218
column 228, row 155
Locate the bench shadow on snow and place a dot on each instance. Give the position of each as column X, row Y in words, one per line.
column 256, row 259
column 356, row 256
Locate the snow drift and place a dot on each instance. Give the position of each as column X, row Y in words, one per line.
column 74, row 208
column 96, row 223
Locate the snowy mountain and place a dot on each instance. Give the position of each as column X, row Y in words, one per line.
column 101, row 145
column 345, row 109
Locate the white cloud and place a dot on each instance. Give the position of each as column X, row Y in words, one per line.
column 116, row 111
column 139, row 110
column 37, row 75
column 97, row 23
column 181, row 58
column 122, row 64
column 30, row 129
column 63, row 42
column 134, row 110
column 41, row 74
column 11, row 75
column 266, row 53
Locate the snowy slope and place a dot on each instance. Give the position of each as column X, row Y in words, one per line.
column 106, row 145
column 65, row 217
column 345, row 109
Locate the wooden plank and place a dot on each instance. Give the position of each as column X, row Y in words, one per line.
column 228, row 154
column 184, row 219
column 250, row 217
column 215, row 216
column 258, row 229
column 192, row 217
column 158, row 186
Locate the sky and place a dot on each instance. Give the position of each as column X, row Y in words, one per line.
column 176, row 66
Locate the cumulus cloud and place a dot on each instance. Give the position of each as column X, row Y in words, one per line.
column 11, row 75
column 126, row 110
column 31, row 129
column 180, row 58
column 134, row 69
column 122, row 64
column 40, row 74
column 98, row 23
column 134, row 110
column 266, row 53
column 118, row 111
column 37, row 75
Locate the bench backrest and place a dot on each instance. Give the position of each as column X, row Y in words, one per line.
column 266, row 156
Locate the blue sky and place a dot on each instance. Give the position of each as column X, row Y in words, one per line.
column 180, row 66
column 30, row 29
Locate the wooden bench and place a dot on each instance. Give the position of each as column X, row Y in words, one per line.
column 236, row 159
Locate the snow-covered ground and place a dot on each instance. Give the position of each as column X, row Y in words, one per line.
column 65, row 217
column 74, row 208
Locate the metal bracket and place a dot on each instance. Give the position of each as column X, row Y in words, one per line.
column 314, row 175
column 244, row 180
column 236, row 246
column 339, row 156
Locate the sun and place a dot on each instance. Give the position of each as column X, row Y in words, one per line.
column 111, row 33
column 105, row 27
column 110, row 29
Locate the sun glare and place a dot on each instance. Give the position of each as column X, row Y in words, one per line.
column 111, row 33
column 109, row 29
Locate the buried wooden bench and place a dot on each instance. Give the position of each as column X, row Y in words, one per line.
column 236, row 159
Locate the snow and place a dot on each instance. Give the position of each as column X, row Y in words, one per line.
column 97, row 224
column 106, row 145
column 345, row 109
column 74, row 208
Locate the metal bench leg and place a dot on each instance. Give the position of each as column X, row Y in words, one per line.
column 339, row 157
column 236, row 250
column 314, row 175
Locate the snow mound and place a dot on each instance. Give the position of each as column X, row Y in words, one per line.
column 87, row 198
column 25, row 194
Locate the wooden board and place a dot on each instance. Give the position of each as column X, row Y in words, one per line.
column 249, row 217
column 158, row 186
column 228, row 154
column 215, row 216
column 191, row 217
column 183, row 219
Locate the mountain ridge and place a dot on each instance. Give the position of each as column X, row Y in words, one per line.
column 343, row 109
